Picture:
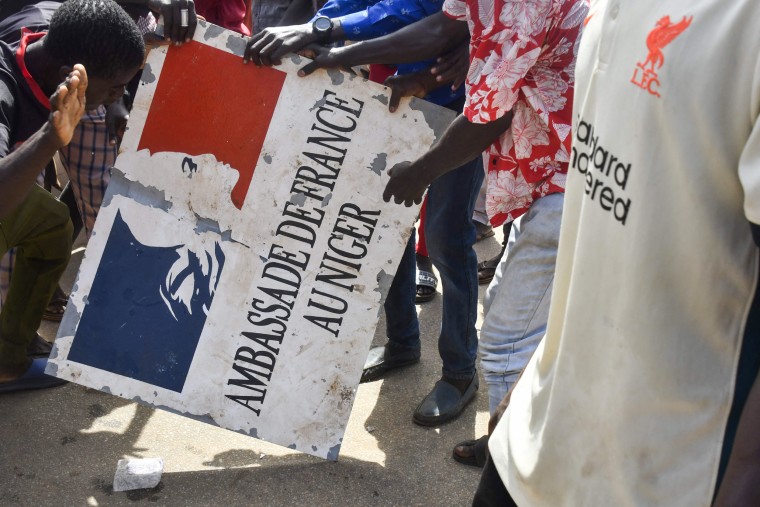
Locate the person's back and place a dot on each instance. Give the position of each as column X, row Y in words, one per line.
column 652, row 346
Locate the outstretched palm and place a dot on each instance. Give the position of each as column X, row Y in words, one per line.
column 67, row 104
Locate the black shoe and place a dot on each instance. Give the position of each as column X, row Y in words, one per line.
column 381, row 360
column 444, row 403
column 487, row 268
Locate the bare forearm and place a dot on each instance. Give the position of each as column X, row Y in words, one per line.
column 462, row 142
column 19, row 169
column 425, row 39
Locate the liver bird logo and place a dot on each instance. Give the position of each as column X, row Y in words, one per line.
column 662, row 35
column 665, row 31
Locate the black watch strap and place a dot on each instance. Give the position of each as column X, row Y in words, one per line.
column 322, row 27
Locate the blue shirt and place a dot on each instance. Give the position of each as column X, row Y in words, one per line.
column 369, row 19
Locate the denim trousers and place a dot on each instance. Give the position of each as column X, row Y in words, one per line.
column 450, row 236
column 516, row 306
column 40, row 230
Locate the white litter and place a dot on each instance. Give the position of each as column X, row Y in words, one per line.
column 138, row 474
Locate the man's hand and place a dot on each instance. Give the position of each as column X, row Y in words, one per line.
column 453, row 66
column 178, row 27
column 116, row 121
column 67, row 105
column 407, row 184
column 323, row 58
column 408, row 85
column 269, row 45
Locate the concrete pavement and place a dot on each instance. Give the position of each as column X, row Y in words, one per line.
column 60, row 446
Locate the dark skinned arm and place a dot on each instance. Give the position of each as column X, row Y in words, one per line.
column 449, row 68
column 461, row 142
column 268, row 46
column 453, row 66
column 409, row 44
column 423, row 40
column 19, row 169
column 741, row 483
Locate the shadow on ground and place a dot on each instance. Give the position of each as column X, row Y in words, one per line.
column 61, row 446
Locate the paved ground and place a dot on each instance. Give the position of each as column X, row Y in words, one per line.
column 60, row 446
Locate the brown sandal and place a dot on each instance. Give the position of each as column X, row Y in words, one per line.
column 471, row 452
column 57, row 306
column 487, row 269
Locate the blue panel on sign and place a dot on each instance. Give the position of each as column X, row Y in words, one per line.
column 146, row 309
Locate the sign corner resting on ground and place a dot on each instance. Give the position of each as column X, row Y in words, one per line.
column 239, row 261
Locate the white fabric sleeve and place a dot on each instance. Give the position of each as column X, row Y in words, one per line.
column 455, row 9
column 749, row 163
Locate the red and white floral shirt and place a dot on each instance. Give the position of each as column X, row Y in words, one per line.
column 522, row 59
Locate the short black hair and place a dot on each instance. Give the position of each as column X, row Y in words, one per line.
column 99, row 34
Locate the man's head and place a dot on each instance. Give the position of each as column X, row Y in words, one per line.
column 101, row 36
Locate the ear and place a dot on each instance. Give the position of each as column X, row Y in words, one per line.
column 63, row 72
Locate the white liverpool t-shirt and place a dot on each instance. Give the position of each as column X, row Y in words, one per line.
column 626, row 400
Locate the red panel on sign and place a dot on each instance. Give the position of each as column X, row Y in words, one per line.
column 207, row 101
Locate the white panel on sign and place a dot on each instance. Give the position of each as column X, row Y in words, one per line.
column 238, row 264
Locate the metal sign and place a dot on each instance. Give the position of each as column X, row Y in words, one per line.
column 238, row 264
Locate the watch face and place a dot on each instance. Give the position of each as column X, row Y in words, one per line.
column 322, row 24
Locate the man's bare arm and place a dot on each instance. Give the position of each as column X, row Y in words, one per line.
column 425, row 39
column 461, row 142
column 19, row 169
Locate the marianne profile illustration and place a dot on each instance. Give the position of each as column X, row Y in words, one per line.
column 160, row 296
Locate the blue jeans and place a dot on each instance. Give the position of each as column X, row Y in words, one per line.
column 450, row 235
column 516, row 306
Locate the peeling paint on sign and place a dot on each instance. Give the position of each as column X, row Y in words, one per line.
column 378, row 163
column 211, row 31
column 243, row 249
column 147, row 75
column 236, row 43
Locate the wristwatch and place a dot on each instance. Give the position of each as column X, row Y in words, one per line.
column 322, row 27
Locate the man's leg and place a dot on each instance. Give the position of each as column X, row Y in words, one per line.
column 450, row 236
column 8, row 258
column 402, row 326
column 516, row 306
column 40, row 230
column 6, row 269
column 491, row 491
